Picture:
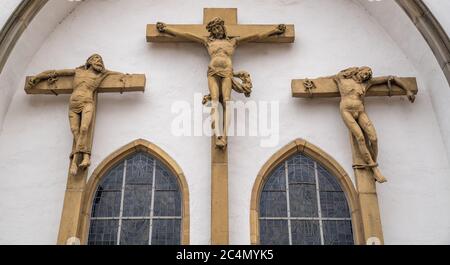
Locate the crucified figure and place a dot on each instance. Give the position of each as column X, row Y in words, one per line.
column 86, row 81
column 353, row 83
column 221, row 80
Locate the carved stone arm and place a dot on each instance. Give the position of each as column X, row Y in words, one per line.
column 49, row 75
column 163, row 28
column 55, row 73
column 280, row 29
column 106, row 74
column 389, row 80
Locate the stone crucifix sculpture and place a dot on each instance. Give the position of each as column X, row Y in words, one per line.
column 221, row 35
column 86, row 80
column 83, row 84
column 352, row 85
column 221, row 82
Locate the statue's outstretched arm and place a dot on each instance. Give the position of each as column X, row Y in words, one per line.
column 278, row 30
column 47, row 75
column 55, row 73
column 163, row 28
column 389, row 80
column 106, row 74
column 379, row 81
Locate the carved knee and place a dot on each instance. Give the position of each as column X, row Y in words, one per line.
column 84, row 129
column 360, row 139
column 75, row 131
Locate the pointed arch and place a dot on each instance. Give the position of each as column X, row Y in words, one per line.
column 136, row 146
column 301, row 146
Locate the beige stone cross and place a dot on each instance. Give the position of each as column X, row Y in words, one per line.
column 352, row 85
column 229, row 15
column 83, row 84
column 221, row 35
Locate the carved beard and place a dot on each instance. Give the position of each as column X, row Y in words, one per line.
column 98, row 67
column 360, row 79
column 219, row 35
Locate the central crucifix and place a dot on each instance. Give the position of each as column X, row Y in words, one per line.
column 221, row 35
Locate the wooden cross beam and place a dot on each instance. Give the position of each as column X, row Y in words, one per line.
column 327, row 88
column 112, row 84
column 350, row 86
column 84, row 84
column 229, row 15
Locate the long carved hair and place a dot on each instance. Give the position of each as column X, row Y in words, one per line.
column 352, row 73
column 217, row 21
column 88, row 62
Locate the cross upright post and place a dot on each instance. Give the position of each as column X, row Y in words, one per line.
column 221, row 35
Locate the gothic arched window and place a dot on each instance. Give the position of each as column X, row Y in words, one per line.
column 302, row 203
column 137, row 202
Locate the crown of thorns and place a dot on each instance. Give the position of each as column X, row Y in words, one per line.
column 353, row 71
column 217, row 21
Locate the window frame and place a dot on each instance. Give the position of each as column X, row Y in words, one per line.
column 118, row 157
column 315, row 153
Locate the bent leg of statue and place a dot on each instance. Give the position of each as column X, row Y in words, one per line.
column 369, row 130
column 75, row 120
column 215, row 112
column 357, row 132
column 226, row 97
column 82, row 144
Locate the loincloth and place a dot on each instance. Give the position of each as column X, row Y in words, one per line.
column 241, row 81
column 78, row 105
column 220, row 73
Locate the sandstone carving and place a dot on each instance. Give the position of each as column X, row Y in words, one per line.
column 352, row 85
column 221, row 78
column 85, row 82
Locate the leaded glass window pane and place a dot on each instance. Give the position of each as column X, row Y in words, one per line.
column 134, row 232
column 167, row 203
column 307, row 195
column 103, row 232
column 334, row 205
column 274, row 232
column 302, row 203
column 301, row 170
column 338, row 232
column 140, row 170
column 166, row 232
column 305, row 233
column 277, row 182
column 107, row 203
column 273, row 204
column 138, row 202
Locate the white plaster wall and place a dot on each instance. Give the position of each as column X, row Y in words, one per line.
column 399, row 27
column 430, row 76
column 30, row 41
column 6, row 9
column 440, row 9
column 331, row 35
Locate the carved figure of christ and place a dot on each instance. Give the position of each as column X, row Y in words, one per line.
column 352, row 85
column 85, row 83
column 221, row 47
